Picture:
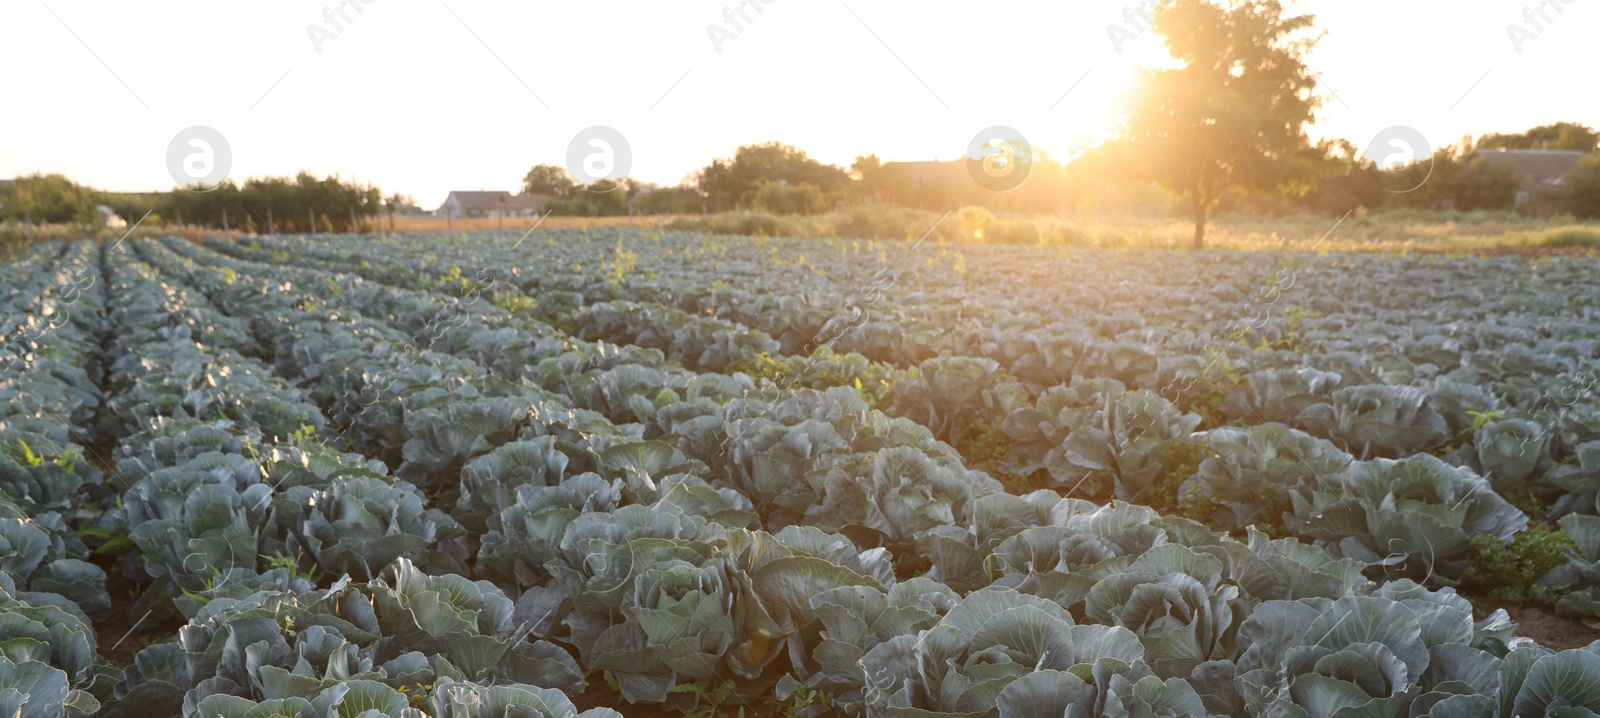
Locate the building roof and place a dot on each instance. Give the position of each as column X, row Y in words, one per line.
column 1537, row 168
column 927, row 169
column 476, row 199
column 483, row 201
column 522, row 201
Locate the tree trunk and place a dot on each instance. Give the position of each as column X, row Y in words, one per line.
column 1200, row 223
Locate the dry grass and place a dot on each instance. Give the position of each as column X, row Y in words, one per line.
column 415, row 223
column 1390, row 232
column 1359, row 231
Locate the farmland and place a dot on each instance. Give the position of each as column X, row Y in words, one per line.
column 664, row 473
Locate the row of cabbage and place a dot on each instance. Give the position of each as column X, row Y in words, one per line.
column 1088, row 343
column 656, row 685
column 893, row 515
column 219, row 469
column 681, row 495
column 1483, row 361
column 1461, row 338
column 1285, row 458
column 50, row 593
column 319, row 517
column 1111, row 609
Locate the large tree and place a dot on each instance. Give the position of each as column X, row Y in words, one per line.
column 735, row 182
column 49, row 198
column 1580, row 194
column 291, row 204
column 549, row 180
column 1233, row 111
column 1557, row 136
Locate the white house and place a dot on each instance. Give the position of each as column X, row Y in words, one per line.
column 468, row 203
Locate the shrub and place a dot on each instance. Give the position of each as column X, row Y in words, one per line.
column 823, row 369
column 1570, row 237
column 874, row 221
column 975, row 223
column 1507, row 573
column 1580, row 195
column 1180, row 460
column 781, row 198
column 986, row 447
column 49, row 198
column 1015, row 231
column 744, row 223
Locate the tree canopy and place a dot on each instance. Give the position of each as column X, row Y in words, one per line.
column 730, row 183
column 550, row 180
column 1233, row 112
column 48, row 198
column 1555, row 136
column 293, row 202
column 1580, row 194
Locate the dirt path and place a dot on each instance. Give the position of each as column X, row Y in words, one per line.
column 1550, row 630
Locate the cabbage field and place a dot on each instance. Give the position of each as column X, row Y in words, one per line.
column 633, row 472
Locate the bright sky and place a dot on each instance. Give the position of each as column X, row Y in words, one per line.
column 425, row 96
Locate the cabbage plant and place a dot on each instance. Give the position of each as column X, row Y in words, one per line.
column 1408, row 518
column 1360, row 655
column 42, row 473
column 993, row 638
column 1378, row 421
column 1510, row 451
column 1255, row 469
column 343, row 650
column 949, row 394
column 31, row 689
column 1579, row 481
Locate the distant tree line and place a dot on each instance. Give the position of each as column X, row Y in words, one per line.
column 1223, row 126
column 287, row 204
column 298, row 204
column 51, row 198
column 1330, row 177
column 607, row 197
